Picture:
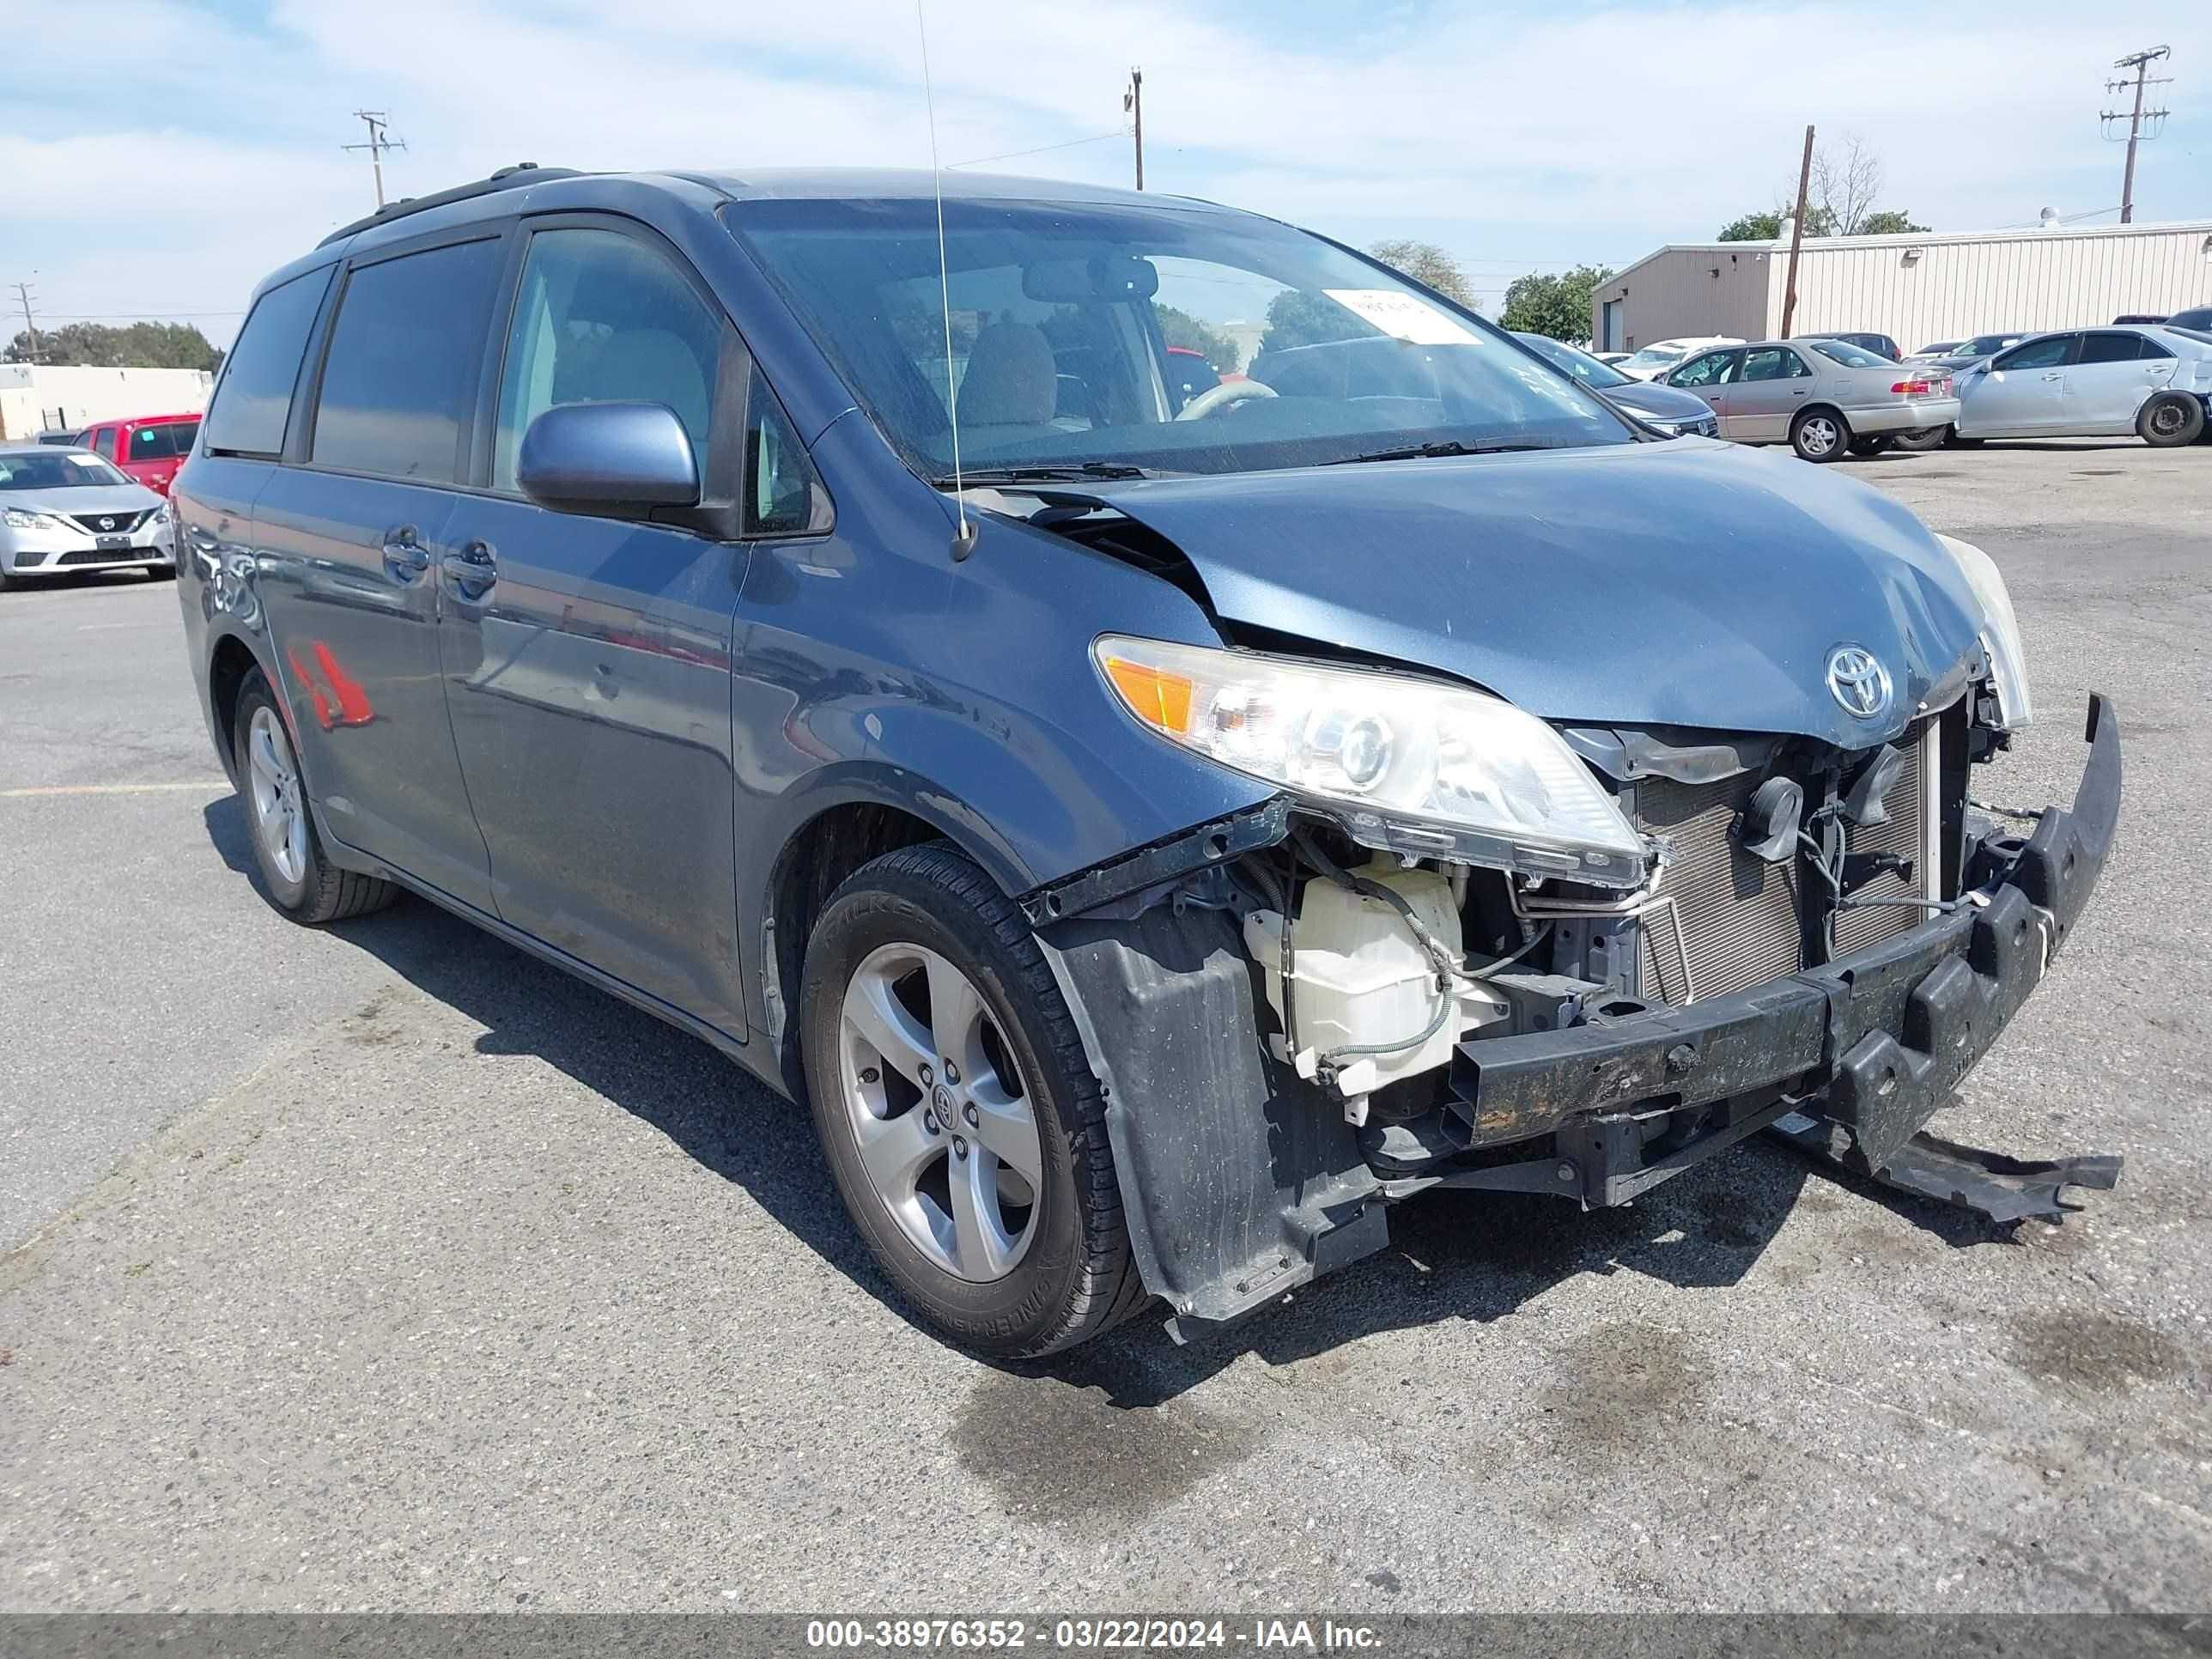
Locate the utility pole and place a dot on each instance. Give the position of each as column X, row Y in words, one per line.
column 1797, row 235
column 1133, row 101
column 23, row 298
column 2140, row 62
column 376, row 121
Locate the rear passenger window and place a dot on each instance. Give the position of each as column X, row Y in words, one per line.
column 2111, row 348
column 255, row 398
column 602, row 318
column 153, row 443
column 402, row 369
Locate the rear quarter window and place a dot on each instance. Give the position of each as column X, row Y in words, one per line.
column 254, row 400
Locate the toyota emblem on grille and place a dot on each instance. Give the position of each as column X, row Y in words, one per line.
column 1858, row 682
column 107, row 524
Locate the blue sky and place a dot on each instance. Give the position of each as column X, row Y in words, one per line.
column 158, row 155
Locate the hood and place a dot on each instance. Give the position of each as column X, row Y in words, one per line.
column 79, row 499
column 1664, row 403
column 1687, row 582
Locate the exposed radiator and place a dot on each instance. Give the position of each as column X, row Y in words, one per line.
column 1906, row 835
column 1739, row 916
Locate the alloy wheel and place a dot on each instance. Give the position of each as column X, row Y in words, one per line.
column 1818, row 436
column 280, row 816
column 939, row 1112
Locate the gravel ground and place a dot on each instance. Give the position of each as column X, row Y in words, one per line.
column 386, row 1268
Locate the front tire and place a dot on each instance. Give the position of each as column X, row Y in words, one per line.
column 2170, row 420
column 1875, row 446
column 1928, row 437
column 1820, row 435
column 296, row 875
column 958, row 1110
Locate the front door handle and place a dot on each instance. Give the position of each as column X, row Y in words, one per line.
column 404, row 555
column 472, row 570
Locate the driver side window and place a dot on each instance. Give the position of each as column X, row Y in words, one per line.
column 1711, row 369
column 2053, row 352
column 601, row 318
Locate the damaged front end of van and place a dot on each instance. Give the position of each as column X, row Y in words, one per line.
column 1571, row 882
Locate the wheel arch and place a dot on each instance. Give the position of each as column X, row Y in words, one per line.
column 835, row 838
column 229, row 663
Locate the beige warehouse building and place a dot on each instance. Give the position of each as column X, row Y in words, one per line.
column 1915, row 288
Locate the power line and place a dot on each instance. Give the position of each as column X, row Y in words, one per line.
column 1008, row 155
column 376, row 120
column 2140, row 62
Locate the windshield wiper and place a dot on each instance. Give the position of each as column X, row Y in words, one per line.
column 1429, row 451
column 991, row 475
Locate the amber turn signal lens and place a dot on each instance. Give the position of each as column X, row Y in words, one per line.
column 1155, row 696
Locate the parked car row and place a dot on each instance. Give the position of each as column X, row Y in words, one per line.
column 1826, row 396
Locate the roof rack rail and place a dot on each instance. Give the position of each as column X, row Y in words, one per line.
column 522, row 173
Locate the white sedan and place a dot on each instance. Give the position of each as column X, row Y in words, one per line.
column 1652, row 360
column 2156, row 382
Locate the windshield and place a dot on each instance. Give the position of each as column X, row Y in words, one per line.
column 57, row 469
column 1942, row 347
column 1849, row 355
column 1063, row 316
column 1983, row 345
column 1659, row 356
column 1580, row 364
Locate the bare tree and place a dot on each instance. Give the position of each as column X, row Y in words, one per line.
column 1424, row 262
column 1846, row 180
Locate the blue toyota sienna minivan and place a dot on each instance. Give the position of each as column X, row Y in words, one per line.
column 1155, row 823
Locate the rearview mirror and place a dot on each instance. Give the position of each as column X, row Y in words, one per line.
column 1103, row 277
column 584, row 457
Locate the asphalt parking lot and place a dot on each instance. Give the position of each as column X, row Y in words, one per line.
column 386, row 1268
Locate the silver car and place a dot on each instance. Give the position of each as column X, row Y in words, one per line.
column 1822, row 397
column 64, row 510
column 2154, row 381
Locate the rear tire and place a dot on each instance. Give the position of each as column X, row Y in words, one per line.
column 918, row 961
column 296, row 875
column 1928, row 437
column 2170, row 420
column 1820, row 435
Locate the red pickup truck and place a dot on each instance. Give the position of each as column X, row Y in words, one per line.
column 149, row 448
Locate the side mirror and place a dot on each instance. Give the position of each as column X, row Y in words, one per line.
column 607, row 458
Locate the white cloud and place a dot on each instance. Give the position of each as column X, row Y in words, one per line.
column 1511, row 134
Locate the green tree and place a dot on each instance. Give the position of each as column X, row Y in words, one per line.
column 136, row 345
column 1752, row 227
column 1891, row 222
column 1296, row 318
column 1180, row 328
column 1558, row 305
column 1426, row 263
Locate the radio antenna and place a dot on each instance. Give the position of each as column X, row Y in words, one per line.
column 964, row 543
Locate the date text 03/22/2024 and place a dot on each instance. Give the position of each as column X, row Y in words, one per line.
column 1092, row 1635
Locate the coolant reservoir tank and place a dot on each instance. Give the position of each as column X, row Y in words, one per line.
column 1363, row 979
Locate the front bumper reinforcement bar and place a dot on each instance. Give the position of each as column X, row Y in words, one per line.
column 1845, row 1061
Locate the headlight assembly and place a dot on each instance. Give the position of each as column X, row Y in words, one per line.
column 2000, row 631
column 21, row 518
column 1405, row 765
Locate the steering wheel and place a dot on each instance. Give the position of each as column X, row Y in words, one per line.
column 1228, row 394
